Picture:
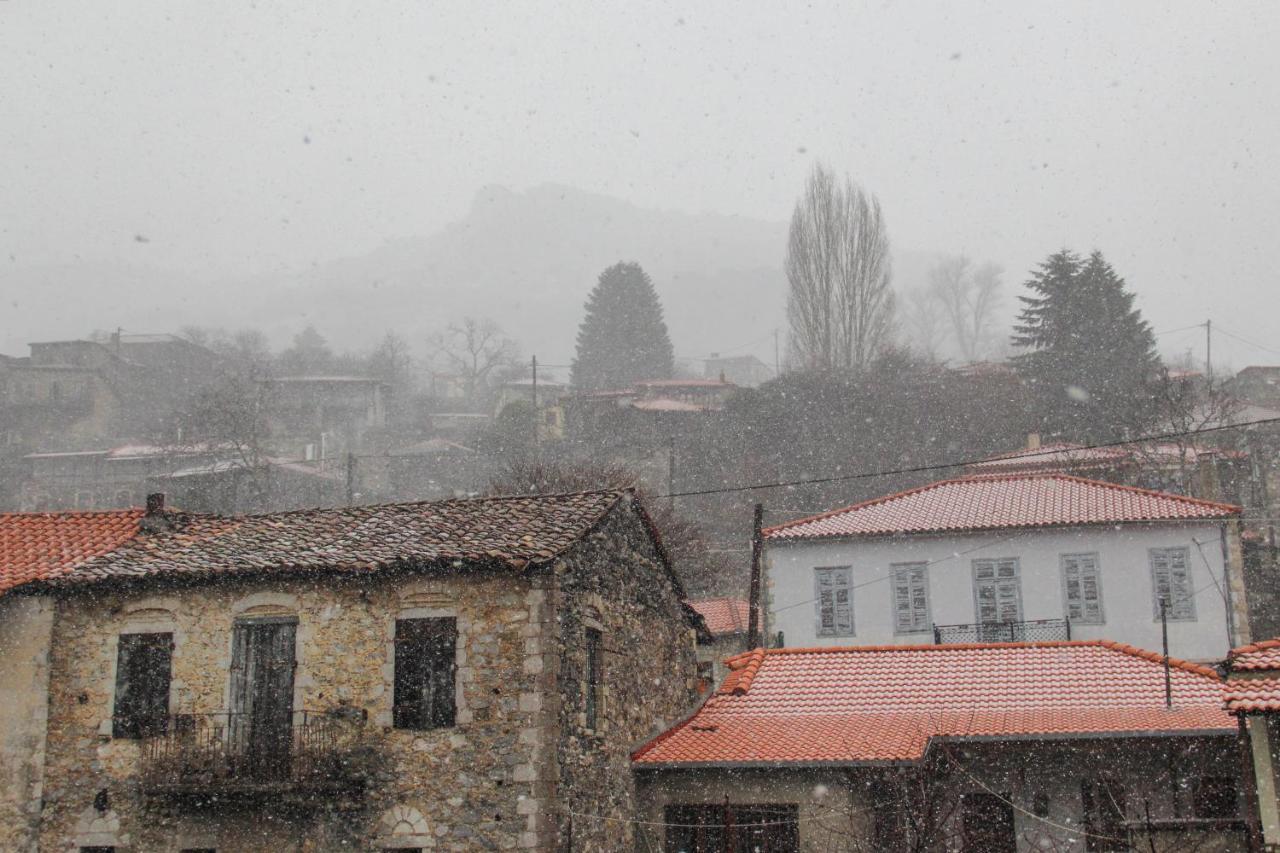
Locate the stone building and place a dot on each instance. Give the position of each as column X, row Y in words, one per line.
column 454, row 675
column 997, row 748
column 1253, row 695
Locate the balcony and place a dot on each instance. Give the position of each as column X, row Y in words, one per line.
column 1033, row 631
column 229, row 754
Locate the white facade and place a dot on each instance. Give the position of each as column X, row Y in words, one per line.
column 890, row 604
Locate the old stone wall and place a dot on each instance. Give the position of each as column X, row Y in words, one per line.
column 614, row 582
column 25, row 624
column 460, row 788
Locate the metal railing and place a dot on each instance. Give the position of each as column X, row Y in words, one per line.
column 227, row 752
column 1030, row 631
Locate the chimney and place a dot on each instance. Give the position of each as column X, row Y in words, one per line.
column 1033, row 441
column 155, row 520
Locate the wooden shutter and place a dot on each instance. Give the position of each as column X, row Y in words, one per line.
column 595, row 676
column 1082, row 588
column 1171, row 580
column 834, row 601
column 911, row 598
column 144, row 668
column 425, row 664
column 997, row 591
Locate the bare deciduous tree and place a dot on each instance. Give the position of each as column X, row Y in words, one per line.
column 923, row 322
column 969, row 297
column 840, row 304
column 473, row 349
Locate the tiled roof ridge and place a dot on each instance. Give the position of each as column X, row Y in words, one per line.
column 82, row 513
column 744, row 665
column 434, row 501
column 1259, row 646
column 1011, row 476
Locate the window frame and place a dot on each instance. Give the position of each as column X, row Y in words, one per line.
column 904, row 570
column 592, row 676
column 1017, row 576
column 833, row 571
column 432, row 630
column 1097, row 582
column 125, row 725
column 1189, row 601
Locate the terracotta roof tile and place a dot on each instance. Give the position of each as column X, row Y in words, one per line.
column 517, row 531
column 1264, row 654
column 1245, row 695
column 1001, row 502
column 46, row 545
column 723, row 615
column 885, row 703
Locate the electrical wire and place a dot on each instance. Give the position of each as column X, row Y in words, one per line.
column 1234, row 336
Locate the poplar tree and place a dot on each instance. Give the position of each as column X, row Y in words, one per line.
column 1088, row 355
column 623, row 337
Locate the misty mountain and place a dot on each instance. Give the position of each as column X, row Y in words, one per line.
column 525, row 259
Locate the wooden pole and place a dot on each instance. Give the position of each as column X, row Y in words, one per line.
column 753, row 601
column 1164, row 639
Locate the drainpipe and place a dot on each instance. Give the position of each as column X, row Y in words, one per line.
column 1253, row 820
column 753, row 600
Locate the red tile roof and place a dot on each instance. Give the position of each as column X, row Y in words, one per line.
column 996, row 502
column 723, row 615
column 1264, row 654
column 46, row 545
column 886, row 703
column 516, row 531
column 1245, row 695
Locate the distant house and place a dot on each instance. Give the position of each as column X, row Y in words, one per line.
column 549, row 394
column 1259, row 385
column 727, row 622
column 447, row 675
column 745, row 371
column 1015, row 557
column 113, row 478
column 975, row 747
column 323, row 417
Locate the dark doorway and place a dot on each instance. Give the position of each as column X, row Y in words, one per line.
column 988, row 824
column 261, row 726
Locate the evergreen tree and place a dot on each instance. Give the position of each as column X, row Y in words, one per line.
column 1089, row 357
column 623, row 338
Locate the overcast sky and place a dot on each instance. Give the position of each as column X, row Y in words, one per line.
column 243, row 138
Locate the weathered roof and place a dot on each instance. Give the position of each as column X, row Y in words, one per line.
column 878, row 704
column 1252, row 695
column 36, row 546
column 1000, row 502
column 723, row 615
column 1264, row 654
column 517, row 531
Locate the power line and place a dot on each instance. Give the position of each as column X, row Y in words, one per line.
column 1247, row 341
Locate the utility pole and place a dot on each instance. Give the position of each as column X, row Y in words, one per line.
column 535, row 400
column 351, row 478
column 1208, row 349
column 671, row 471
column 1164, row 639
column 753, row 600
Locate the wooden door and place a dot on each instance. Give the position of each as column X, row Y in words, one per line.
column 262, row 665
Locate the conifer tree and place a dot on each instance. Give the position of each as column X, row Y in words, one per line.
column 623, row 337
column 1089, row 357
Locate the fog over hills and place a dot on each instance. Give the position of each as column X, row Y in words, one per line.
column 525, row 259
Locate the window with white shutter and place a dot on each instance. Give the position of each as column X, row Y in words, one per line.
column 997, row 590
column 833, row 601
column 1082, row 589
column 910, row 598
column 1171, row 581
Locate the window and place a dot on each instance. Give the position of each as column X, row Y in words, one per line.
column 144, row 664
column 997, row 591
column 1171, row 581
column 1215, row 797
column 833, row 598
column 1082, row 588
column 910, row 598
column 720, row 828
column 426, row 654
column 594, row 678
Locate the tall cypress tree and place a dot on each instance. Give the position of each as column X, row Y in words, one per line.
column 1090, row 358
column 623, row 337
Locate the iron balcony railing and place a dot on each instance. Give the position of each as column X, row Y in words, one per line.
column 225, row 752
column 1035, row 630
